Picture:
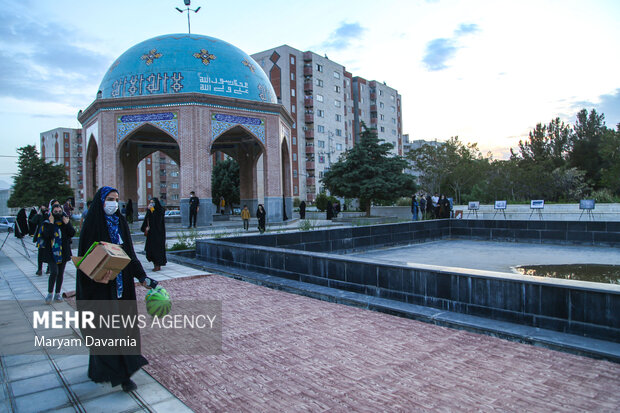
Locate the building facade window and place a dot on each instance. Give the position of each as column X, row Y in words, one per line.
column 292, row 76
column 338, row 118
column 338, row 132
column 382, row 129
column 320, row 128
column 294, row 173
column 381, row 105
column 294, row 157
column 321, row 158
column 337, row 75
column 320, row 113
column 337, row 103
column 336, row 88
column 319, row 98
column 148, row 172
column 319, row 67
column 321, row 144
column 175, row 185
column 319, row 83
column 292, row 92
column 293, row 108
column 338, row 146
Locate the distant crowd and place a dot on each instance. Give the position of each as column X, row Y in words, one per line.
column 425, row 206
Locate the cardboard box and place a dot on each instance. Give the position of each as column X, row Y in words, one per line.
column 103, row 257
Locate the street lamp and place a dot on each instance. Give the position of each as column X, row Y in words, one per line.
column 187, row 3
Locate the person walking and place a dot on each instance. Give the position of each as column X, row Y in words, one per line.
column 302, row 210
column 222, row 205
column 129, row 211
column 414, row 208
column 154, row 228
column 21, row 224
column 261, row 215
column 105, row 223
column 245, row 216
column 57, row 233
column 38, row 238
column 31, row 225
column 194, row 205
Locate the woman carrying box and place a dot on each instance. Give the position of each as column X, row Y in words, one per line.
column 104, row 222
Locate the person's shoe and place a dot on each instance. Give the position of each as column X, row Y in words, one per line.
column 39, row 273
column 128, row 385
column 48, row 299
column 58, row 297
column 156, row 268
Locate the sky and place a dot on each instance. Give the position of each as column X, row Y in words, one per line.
column 486, row 71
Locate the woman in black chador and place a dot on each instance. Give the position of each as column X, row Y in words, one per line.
column 104, row 222
column 330, row 210
column 129, row 211
column 302, row 210
column 260, row 216
column 444, row 207
column 154, row 229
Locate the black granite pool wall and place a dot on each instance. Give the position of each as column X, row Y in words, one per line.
column 570, row 306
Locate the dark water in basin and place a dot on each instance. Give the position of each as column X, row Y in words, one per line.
column 609, row 274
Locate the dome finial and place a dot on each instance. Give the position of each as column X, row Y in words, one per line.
column 187, row 3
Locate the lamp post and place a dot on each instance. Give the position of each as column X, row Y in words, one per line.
column 187, row 3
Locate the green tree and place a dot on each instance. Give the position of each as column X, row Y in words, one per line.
column 586, row 139
column 37, row 181
column 610, row 160
column 547, row 143
column 225, row 182
column 369, row 172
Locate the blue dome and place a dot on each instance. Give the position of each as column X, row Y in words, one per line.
column 186, row 63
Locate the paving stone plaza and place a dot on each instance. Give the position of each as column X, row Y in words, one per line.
column 286, row 352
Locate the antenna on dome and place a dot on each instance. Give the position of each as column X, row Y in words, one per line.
column 188, row 3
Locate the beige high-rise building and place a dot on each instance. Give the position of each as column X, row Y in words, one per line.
column 63, row 146
column 328, row 105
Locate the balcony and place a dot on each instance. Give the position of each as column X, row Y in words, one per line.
column 373, row 108
column 310, row 134
column 373, row 96
column 373, row 121
column 309, row 149
column 308, row 85
column 310, row 181
column 307, row 56
column 310, row 165
column 308, row 70
column 308, row 101
column 309, row 118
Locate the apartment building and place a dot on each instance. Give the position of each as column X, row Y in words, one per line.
column 328, row 104
column 63, row 146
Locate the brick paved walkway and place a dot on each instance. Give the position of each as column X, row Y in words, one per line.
column 284, row 352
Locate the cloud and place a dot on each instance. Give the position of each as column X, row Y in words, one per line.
column 607, row 104
column 342, row 37
column 466, row 28
column 440, row 51
column 38, row 60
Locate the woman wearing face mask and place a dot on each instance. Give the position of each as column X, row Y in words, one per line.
column 105, row 223
column 154, row 229
column 57, row 232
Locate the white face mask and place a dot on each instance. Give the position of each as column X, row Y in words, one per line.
column 110, row 207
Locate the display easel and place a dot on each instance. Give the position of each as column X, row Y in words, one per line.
column 537, row 206
column 587, row 206
column 473, row 206
column 500, row 206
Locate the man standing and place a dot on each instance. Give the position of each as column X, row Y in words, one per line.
column 194, row 203
column 423, row 206
column 245, row 216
